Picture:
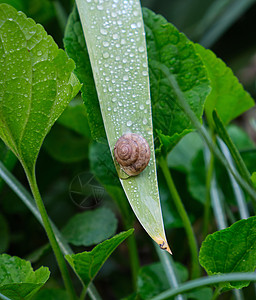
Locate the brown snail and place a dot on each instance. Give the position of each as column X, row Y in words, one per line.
column 132, row 153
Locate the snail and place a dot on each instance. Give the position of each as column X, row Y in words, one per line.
column 132, row 153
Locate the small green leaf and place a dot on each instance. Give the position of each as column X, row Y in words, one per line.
column 231, row 250
column 167, row 46
column 90, row 227
column 65, row 145
column 227, row 96
column 51, row 294
column 76, row 48
column 17, row 278
column 4, row 234
column 35, row 86
column 88, row 264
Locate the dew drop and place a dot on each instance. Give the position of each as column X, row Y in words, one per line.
column 144, row 73
column 105, row 44
column 129, row 123
column 100, row 7
column 145, row 121
column 105, row 55
column 39, row 53
column 114, row 99
column 141, row 106
column 115, row 36
column 133, row 26
column 141, row 49
column 103, row 31
column 125, row 78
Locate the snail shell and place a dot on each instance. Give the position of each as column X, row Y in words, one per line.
column 132, row 152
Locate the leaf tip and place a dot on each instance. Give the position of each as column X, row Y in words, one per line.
column 163, row 245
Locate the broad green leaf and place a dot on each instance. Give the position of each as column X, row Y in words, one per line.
column 35, row 87
column 17, row 278
column 90, row 227
column 227, row 96
column 231, row 250
column 117, row 52
column 74, row 117
column 4, row 234
column 76, row 48
column 88, row 264
column 167, row 46
column 152, row 279
column 65, row 145
column 51, row 294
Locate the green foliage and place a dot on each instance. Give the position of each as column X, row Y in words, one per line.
column 17, row 278
column 227, row 96
column 88, row 264
column 36, row 85
column 90, row 227
column 167, row 46
column 231, row 250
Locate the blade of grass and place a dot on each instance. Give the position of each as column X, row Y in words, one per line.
column 25, row 196
column 232, row 12
column 222, row 132
column 238, row 193
column 169, row 268
column 218, row 209
column 205, row 281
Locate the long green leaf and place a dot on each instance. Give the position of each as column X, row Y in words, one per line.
column 115, row 39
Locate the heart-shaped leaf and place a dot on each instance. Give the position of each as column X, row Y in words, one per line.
column 231, row 250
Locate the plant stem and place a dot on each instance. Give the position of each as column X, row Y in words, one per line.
column 205, row 281
column 3, row 297
column 207, row 205
column 134, row 258
column 27, row 199
column 216, row 293
column 184, row 217
column 49, row 231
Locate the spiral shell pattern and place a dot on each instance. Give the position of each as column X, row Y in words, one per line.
column 132, row 152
